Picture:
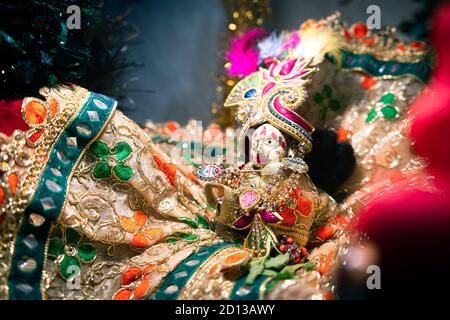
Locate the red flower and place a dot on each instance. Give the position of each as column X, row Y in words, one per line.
column 295, row 206
column 11, row 116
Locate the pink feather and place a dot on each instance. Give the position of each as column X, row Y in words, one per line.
column 243, row 55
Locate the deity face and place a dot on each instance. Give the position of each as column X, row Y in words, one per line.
column 268, row 145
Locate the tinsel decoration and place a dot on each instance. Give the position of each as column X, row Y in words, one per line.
column 242, row 15
column 38, row 49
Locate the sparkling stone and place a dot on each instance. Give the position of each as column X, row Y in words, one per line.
column 56, row 172
column 53, row 186
column 382, row 69
column 27, row 264
column 48, row 203
column 395, row 68
column 62, row 157
column 72, row 142
column 202, row 252
column 30, row 241
column 250, row 93
column 93, row 116
column 24, row 287
column 36, row 220
column 181, row 274
column 171, row 289
column 192, row 263
column 243, row 291
column 84, row 130
column 23, row 159
column 100, row 104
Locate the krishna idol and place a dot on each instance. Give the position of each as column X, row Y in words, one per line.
column 94, row 206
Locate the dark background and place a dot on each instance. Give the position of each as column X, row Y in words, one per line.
column 180, row 42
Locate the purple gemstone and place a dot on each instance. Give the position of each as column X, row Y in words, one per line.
column 268, row 216
column 243, row 221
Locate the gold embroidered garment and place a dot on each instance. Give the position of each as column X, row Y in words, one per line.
column 95, row 207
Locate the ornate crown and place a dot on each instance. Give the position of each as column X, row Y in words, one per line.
column 271, row 95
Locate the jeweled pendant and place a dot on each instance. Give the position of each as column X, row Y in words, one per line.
column 249, row 199
column 208, row 172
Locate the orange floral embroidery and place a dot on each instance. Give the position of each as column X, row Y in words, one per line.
column 169, row 169
column 324, row 232
column 298, row 205
column 325, row 263
column 37, row 113
column 13, row 183
column 135, row 283
column 143, row 236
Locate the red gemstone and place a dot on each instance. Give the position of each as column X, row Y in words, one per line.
column 416, row 44
column 368, row 82
column 360, row 30
column 297, row 260
column 304, row 251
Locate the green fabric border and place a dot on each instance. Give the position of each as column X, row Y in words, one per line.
column 174, row 278
column 382, row 68
column 241, row 291
column 63, row 157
